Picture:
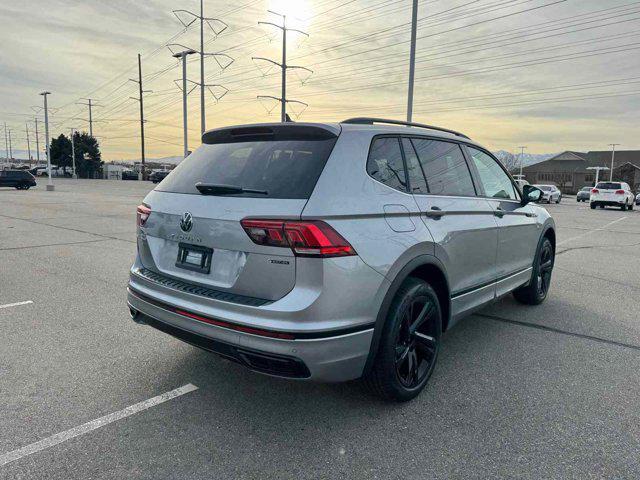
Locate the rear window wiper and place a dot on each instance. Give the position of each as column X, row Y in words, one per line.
column 219, row 189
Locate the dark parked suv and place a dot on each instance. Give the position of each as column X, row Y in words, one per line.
column 19, row 179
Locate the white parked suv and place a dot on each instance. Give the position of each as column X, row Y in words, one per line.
column 613, row 194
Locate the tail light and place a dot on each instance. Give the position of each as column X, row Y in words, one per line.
column 619, row 192
column 142, row 214
column 595, row 190
column 306, row 238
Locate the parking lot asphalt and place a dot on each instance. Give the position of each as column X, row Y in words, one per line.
column 551, row 391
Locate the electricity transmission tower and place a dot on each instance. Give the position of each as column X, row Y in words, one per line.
column 90, row 105
column 209, row 21
column 283, row 65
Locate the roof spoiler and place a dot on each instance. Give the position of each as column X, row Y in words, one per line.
column 270, row 132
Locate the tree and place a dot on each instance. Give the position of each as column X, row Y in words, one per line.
column 88, row 156
column 87, row 152
column 61, row 152
column 510, row 161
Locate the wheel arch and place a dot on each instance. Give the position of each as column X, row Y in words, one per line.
column 550, row 233
column 427, row 268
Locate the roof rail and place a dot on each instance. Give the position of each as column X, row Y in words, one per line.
column 372, row 120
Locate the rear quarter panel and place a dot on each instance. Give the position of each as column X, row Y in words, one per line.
column 354, row 204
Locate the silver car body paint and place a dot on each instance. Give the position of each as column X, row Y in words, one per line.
column 485, row 247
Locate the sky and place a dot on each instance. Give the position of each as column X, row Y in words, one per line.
column 553, row 75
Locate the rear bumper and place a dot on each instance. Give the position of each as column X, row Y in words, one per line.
column 323, row 357
column 609, row 203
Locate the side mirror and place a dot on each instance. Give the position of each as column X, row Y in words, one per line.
column 530, row 194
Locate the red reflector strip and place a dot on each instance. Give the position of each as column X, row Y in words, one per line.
column 238, row 328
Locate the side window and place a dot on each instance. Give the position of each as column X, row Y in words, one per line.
column 417, row 181
column 444, row 166
column 495, row 181
column 385, row 163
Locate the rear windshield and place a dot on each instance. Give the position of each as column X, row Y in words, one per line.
column 282, row 168
column 586, row 189
column 544, row 187
column 609, row 186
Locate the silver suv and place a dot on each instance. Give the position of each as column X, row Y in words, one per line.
column 333, row 252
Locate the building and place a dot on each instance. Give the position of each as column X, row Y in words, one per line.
column 569, row 170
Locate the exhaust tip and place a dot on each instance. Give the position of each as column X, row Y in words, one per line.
column 135, row 315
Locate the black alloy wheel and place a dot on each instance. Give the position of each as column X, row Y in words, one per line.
column 409, row 343
column 535, row 292
column 416, row 342
column 545, row 268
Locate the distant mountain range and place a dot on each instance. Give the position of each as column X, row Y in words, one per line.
column 527, row 158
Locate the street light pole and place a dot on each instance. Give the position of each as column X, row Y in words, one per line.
column 613, row 157
column 521, row 157
column 202, row 86
column 26, row 126
column 6, row 143
column 283, row 106
column 37, row 144
column 73, row 153
column 50, row 186
column 183, row 57
column 412, row 60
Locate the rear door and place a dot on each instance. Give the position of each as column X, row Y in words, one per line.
column 280, row 163
column 518, row 228
column 463, row 225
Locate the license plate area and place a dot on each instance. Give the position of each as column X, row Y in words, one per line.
column 194, row 257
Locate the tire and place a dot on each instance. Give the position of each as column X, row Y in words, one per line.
column 631, row 206
column 405, row 361
column 623, row 207
column 536, row 291
column 593, row 206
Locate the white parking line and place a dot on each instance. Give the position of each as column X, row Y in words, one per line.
column 93, row 425
column 17, row 304
column 590, row 231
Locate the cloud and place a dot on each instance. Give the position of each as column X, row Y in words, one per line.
column 473, row 69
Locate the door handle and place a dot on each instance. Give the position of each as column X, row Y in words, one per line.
column 435, row 212
column 531, row 214
column 499, row 212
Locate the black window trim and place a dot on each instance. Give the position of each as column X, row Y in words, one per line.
column 407, row 190
column 474, row 181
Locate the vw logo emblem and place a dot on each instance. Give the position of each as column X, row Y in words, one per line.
column 186, row 222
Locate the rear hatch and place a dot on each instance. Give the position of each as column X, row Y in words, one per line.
column 193, row 232
column 608, row 192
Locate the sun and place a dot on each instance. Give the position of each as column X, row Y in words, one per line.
column 297, row 11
